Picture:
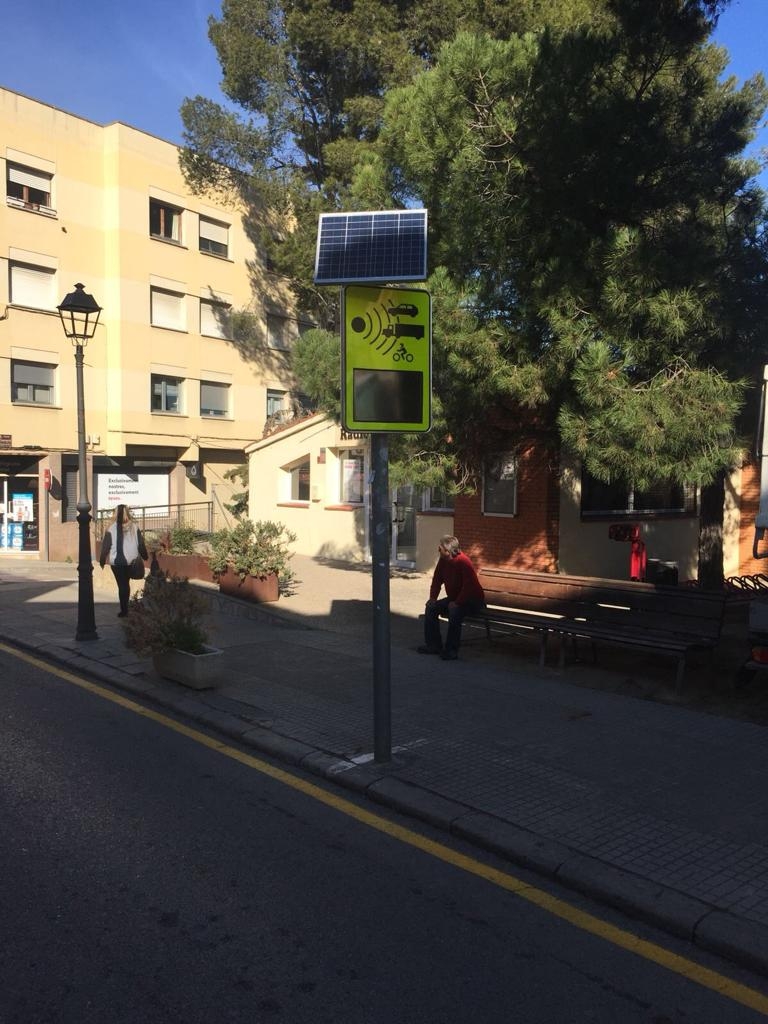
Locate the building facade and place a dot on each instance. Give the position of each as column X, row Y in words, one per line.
column 190, row 355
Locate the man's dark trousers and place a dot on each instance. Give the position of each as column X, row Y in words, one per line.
column 455, row 616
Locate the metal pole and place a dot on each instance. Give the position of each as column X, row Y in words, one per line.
column 86, row 617
column 380, row 539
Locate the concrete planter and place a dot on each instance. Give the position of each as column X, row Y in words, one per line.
column 258, row 590
column 193, row 567
column 197, row 671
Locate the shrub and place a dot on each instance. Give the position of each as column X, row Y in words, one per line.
column 253, row 549
column 167, row 614
column 182, row 540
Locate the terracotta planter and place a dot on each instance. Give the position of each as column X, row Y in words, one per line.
column 258, row 590
column 193, row 567
column 197, row 671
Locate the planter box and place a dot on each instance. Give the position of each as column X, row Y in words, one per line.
column 193, row 567
column 258, row 590
column 197, row 671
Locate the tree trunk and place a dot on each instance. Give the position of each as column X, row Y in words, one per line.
column 711, row 534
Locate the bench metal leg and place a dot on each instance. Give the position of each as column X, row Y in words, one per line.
column 543, row 648
column 680, row 674
column 561, row 652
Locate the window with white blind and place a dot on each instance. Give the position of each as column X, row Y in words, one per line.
column 33, row 383
column 215, row 319
column 166, row 393
column 32, row 286
column 28, row 188
column 214, row 398
column 214, row 237
column 275, row 401
column 167, row 309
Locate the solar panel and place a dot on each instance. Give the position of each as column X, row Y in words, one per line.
column 381, row 246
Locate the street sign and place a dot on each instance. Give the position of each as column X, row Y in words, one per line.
column 386, row 359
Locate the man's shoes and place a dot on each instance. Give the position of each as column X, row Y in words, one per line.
column 423, row 649
column 449, row 655
column 121, row 615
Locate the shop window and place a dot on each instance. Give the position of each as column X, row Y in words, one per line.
column 28, row 188
column 214, row 398
column 167, row 309
column 166, row 393
column 214, row 237
column 32, row 286
column 352, row 469
column 33, row 383
column 164, row 221
column 617, row 499
column 500, row 485
column 215, row 319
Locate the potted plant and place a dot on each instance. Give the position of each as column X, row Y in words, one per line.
column 165, row 620
column 251, row 559
column 182, row 553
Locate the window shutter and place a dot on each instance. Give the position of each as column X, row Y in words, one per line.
column 214, row 231
column 214, row 398
column 167, row 309
column 32, row 179
column 33, row 373
column 32, row 286
column 214, row 319
column 69, row 489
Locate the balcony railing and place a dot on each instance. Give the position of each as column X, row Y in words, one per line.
column 199, row 516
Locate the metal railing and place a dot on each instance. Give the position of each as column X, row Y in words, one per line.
column 199, row 516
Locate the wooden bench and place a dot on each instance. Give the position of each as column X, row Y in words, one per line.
column 671, row 620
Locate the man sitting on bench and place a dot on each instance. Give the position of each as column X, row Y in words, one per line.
column 464, row 596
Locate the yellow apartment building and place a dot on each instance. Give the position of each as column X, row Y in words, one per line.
column 190, row 355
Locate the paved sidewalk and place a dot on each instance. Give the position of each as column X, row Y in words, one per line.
column 653, row 808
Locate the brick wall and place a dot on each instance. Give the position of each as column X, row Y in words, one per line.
column 749, row 500
column 527, row 541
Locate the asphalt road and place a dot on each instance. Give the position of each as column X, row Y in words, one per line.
column 147, row 878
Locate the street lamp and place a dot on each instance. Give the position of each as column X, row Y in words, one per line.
column 79, row 314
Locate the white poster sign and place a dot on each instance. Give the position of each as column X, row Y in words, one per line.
column 136, row 490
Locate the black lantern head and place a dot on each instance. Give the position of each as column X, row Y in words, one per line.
column 79, row 314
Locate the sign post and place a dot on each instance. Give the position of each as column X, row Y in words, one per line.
column 386, row 373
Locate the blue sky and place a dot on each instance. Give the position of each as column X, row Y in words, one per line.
column 136, row 60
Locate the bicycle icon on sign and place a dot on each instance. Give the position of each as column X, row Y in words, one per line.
column 402, row 354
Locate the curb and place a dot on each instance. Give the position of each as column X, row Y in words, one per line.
column 705, row 926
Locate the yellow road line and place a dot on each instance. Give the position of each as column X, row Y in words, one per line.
column 559, row 908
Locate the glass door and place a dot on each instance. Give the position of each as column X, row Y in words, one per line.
column 404, row 525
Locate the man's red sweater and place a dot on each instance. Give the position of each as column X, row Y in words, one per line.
column 459, row 578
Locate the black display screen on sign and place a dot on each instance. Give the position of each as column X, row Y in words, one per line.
column 394, row 396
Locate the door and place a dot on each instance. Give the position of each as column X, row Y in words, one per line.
column 404, row 501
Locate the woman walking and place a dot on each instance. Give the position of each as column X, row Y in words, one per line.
column 122, row 544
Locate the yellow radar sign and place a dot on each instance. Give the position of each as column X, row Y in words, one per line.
column 386, row 367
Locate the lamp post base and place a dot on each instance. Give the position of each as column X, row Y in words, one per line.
column 86, row 616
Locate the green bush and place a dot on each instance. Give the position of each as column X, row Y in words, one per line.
column 253, row 549
column 182, row 540
column 166, row 615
